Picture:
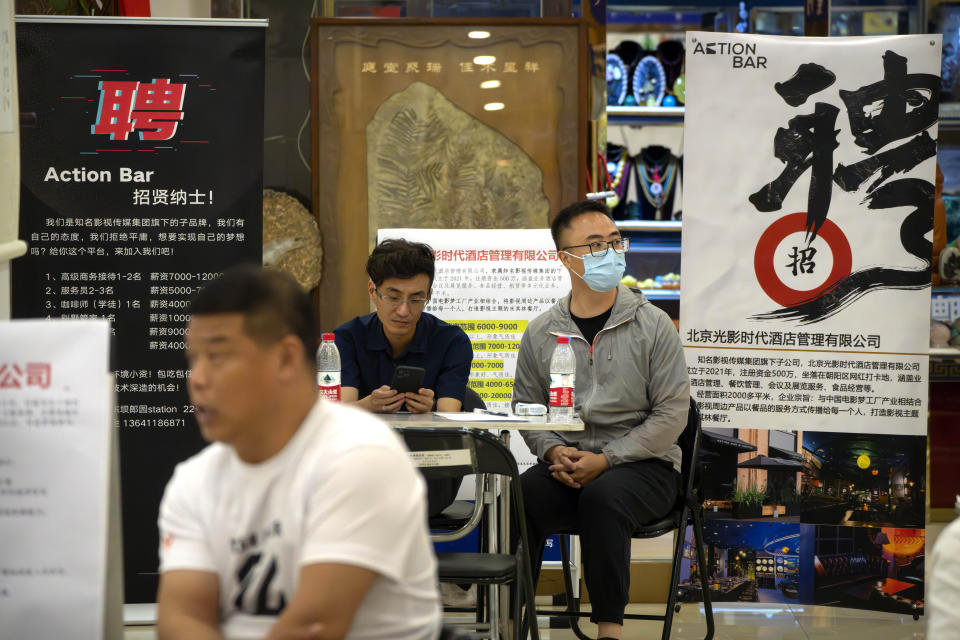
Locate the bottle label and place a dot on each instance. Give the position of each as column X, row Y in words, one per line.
column 328, row 382
column 561, row 389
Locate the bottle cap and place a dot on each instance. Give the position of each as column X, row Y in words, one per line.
column 328, row 336
column 563, row 339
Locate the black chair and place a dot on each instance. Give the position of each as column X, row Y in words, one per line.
column 472, row 400
column 687, row 510
column 454, row 513
column 453, row 633
column 446, row 453
column 445, row 511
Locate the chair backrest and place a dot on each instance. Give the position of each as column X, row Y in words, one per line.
column 447, row 453
column 689, row 442
column 472, row 400
column 453, row 452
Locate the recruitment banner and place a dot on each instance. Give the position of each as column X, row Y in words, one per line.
column 810, row 169
column 56, row 405
column 806, row 254
column 491, row 284
column 141, row 165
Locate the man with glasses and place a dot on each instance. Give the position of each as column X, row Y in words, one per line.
column 632, row 393
column 400, row 333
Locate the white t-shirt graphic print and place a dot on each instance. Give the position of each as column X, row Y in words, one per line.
column 342, row 490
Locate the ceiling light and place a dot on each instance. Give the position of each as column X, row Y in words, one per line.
column 493, row 106
column 482, row 60
column 489, row 84
column 478, row 35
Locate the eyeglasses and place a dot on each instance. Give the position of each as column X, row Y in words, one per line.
column 395, row 302
column 599, row 248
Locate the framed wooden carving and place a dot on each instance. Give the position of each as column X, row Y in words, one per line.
column 453, row 124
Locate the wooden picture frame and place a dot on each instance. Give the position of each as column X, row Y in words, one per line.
column 404, row 135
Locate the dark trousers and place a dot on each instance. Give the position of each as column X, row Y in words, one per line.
column 605, row 513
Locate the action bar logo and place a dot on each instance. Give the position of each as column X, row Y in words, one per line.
column 743, row 54
column 151, row 108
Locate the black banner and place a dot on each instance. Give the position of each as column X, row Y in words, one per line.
column 141, row 178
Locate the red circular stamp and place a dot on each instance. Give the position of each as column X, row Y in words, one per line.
column 763, row 259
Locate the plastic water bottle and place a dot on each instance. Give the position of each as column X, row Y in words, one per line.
column 563, row 377
column 328, row 368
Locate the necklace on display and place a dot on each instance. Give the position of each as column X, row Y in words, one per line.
column 656, row 182
column 616, row 168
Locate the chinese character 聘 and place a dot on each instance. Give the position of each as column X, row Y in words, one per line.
column 902, row 105
column 152, row 108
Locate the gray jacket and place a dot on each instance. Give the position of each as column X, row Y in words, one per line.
column 632, row 389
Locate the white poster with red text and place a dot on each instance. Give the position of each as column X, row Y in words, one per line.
column 56, row 417
column 809, row 174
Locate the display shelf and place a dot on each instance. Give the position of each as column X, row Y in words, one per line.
column 644, row 115
column 939, row 352
column 649, row 225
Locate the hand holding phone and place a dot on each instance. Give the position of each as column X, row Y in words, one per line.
column 407, row 379
column 385, row 400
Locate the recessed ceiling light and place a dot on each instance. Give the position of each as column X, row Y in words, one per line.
column 489, row 84
column 484, row 60
column 493, row 106
column 478, row 35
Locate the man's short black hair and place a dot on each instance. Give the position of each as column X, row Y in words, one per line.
column 272, row 303
column 397, row 258
column 566, row 216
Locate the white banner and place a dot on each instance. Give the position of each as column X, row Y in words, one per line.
column 56, row 416
column 491, row 283
column 809, row 172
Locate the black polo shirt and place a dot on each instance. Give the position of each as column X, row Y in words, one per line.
column 367, row 362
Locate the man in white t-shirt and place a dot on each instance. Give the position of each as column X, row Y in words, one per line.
column 943, row 584
column 303, row 519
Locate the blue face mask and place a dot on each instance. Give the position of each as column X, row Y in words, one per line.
column 602, row 274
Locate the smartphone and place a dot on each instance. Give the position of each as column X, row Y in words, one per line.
column 407, row 379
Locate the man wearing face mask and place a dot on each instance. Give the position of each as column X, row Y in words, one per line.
column 632, row 393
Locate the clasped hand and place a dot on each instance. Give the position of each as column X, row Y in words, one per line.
column 387, row 400
column 576, row 468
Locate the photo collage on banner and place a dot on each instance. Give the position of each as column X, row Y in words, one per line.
column 808, row 352
column 141, row 180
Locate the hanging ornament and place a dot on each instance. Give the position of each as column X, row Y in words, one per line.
column 649, row 82
column 616, row 79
